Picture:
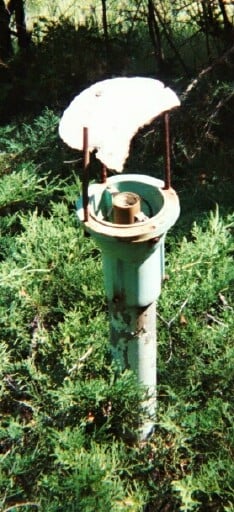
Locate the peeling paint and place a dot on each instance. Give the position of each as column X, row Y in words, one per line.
column 133, row 342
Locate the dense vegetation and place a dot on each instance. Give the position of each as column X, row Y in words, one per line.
column 66, row 416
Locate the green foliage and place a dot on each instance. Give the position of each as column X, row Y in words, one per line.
column 67, row 417
column 93, row 474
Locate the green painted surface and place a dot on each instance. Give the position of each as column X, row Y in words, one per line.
column 133, row 268
column 133, row 273
column 133, row 255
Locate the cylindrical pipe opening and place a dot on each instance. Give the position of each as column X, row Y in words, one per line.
column 126, row 205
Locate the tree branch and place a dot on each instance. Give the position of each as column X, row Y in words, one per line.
column 205, row 71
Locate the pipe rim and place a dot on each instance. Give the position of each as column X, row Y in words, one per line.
column 149, row 229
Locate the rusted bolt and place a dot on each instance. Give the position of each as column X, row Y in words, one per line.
column 154, row 240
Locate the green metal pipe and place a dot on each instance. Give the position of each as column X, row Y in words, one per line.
column 133, row 268
column 133, row 344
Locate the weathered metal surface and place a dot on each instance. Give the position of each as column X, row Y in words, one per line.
column 104, row 174
column 114, row 110
column 85, row 181
column 133, row 271
column 161, row 208
column 133, row 342
column 126, row 205
column 133, row 254
column 167, row 151
column 133, row 267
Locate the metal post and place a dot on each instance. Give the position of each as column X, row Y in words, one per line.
column 85, row 182
column 167, row 151
column 133, row 342
column 104, row 174
column 133, row 328
column 129, row 218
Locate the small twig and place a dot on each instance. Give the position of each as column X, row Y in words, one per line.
column 214, row 114
column 169, row 324
column 224, row 301
column 171, row 349
column 4, row 456
column 24, row 270
column 79, row 365
column 22, row 504
column 205, row 71
column 188, row 265
column 72, row 161
column 211, row 317
column 178, row 313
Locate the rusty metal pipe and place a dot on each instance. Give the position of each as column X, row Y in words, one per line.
column 126, row 205
column 167, row 157
column 104, row 174
column 133, row 345
column 85, row 181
